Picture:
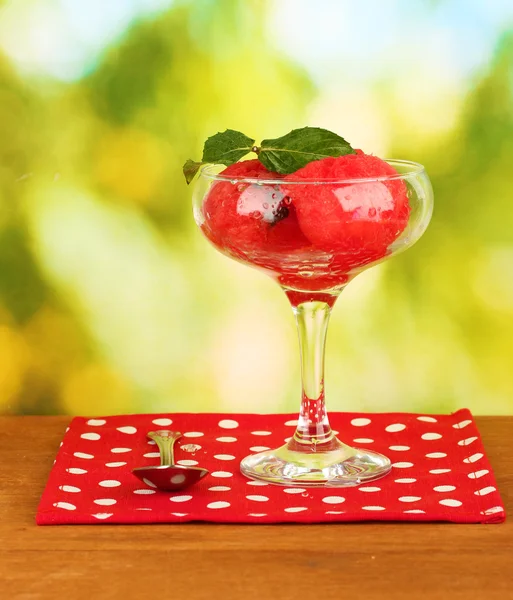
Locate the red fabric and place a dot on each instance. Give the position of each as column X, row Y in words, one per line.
column 440, row 472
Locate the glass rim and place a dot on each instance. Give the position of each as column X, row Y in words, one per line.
column 414, row 169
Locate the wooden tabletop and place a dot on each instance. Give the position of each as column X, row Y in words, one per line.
column 207, row 561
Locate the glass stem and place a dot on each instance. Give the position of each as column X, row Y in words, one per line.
column 313, row 433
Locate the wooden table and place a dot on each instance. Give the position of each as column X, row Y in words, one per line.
column 224, row 562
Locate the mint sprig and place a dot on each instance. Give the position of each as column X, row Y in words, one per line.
column 283, row 155
column 223, row 148
column 300, row 147
column 190, row 169
column 227, row 148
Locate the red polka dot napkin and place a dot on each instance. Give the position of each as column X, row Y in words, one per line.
column 440, row 472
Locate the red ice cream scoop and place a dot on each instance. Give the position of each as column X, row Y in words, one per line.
column 242, row 216
column 359, row 211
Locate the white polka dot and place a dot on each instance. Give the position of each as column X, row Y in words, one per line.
column 115, row 464
column 363, row 441
column 450, row 502
column 162, row 422
column 439, row 471
column 151, row 442
column 218, row 504
column 180, row 498
column 292, row 423
column 144, row 492
column 474, row 458
column 409, row 498
column 478, row 474
column 109, row 483
column 395, row 427
column 335, row 432
column 402, row 465
column 83, row 455
column 219, row 488
column 484, row 491
column 294, row 490
column 257, row 515
column 65, row 505
column 193, row 434
column 360, row 422
column 462, row 424
column 257, row 498
column 151, row 454
column 427, row 419
column 333, row 499
column 148, row 482
column 369, row 488
column 177, row 479
column 120, row 450
column 105, row 501
column 127, row 429
column 76, row 471
column 436, row 455
column 493, row 510
column 415, row 511
column 444, row 488
column 287, row 440
column 102, row 516
column 224, row 456
column 405, row 480
column 179, row 514
column 373, row 507
column 226, row 439
column 187, row 462
column 221, row 474
column 260, row 433
column 70, row 488
column 96, row 422
column 295, row 509
column 334, row 512
column 257, row 483
column 467, row 441
column 259, row 448
column 399, row 448
column 228, row 424
column 430, row 436
column 91, row 436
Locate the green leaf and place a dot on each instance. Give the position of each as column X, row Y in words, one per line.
column 227, row 147
column 190, row 169
column 299, row 147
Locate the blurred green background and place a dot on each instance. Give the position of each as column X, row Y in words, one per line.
column 111, row 301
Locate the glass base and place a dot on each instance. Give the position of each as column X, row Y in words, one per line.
column 343, row 467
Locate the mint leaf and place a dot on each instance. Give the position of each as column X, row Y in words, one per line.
column 299, row 147
column 282, row 155
column 227, row 147
column 190, row 169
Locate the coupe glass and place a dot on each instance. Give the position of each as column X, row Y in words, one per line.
column 352, row 225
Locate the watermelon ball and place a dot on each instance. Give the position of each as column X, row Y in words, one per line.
column 246, row 218
column 354, row 221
